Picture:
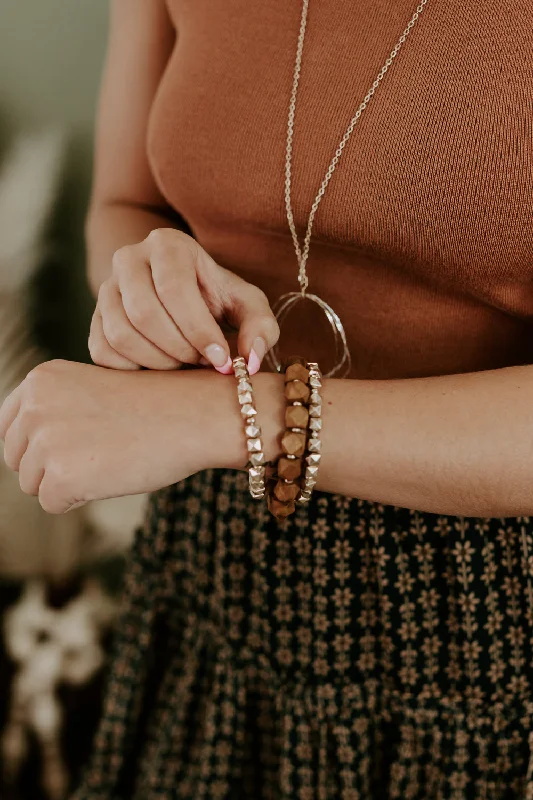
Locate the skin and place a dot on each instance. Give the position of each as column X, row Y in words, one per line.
column 164, row 305
column 77, row 433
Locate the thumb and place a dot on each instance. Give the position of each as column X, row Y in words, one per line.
column 251, row 314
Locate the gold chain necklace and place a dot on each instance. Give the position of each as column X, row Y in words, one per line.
column 286, row 302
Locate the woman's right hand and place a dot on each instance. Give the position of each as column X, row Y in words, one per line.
column 163, row 305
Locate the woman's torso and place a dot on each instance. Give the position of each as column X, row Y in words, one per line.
column 424, row 241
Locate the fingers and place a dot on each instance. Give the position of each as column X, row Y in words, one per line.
column 16, row 449
column 143, row 307
column 101, row 351
column 15, row 445
column 51, row 496
column 257, row 325
column 123, row 337
column 164, row 303
column 9, row 411
column 174, row 273
column 31, row 473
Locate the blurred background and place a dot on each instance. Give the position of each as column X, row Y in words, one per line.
column 59, row 577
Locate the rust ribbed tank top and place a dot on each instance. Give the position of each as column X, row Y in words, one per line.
column 424, row 241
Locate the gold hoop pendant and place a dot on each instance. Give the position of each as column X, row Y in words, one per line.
column 282, row 307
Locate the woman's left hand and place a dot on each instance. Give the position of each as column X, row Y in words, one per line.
column 76, row 432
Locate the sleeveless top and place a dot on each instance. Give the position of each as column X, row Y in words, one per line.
column 424, row 241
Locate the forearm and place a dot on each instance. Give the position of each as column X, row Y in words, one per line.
column 114, row 225
column 458, row 444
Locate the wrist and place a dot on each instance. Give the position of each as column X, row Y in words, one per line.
column 270, row 404
column 231, row 451
column 218, row 426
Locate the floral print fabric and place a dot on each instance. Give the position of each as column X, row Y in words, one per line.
column 356, row 651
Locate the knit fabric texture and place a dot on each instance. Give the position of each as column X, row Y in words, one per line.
column 423, row 243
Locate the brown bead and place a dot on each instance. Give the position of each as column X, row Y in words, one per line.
column 293, row 443
column 270, row 472
column 288, row 362
column 296, row 372
column 286, row 491
column 278, row 509
column 297, row 390
column 296, row 417
column 289, row 468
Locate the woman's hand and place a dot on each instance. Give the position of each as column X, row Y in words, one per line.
column 76, row 432
column 163, row 306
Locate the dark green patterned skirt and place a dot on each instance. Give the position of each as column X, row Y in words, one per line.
column 356, row 652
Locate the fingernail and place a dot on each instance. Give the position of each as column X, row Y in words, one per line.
column 216, row 355
column 227, row 368
column 257, row 353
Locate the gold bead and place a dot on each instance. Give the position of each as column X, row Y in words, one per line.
column 304, row 497
column 314, row 445
column 252, row 431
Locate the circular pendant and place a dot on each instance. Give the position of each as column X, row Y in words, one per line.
column 281, row 308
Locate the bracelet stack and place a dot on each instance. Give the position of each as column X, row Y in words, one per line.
column 291, row 480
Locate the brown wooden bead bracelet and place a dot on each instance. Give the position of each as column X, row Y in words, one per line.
column 293, row 481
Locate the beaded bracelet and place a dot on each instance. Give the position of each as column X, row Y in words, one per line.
column 256, row 463
column 314, row 443
column 283, row 493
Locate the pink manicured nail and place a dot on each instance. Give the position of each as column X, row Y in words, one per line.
column 254, row 365
column 227, row 369
column 257, row 353
column 217, row 356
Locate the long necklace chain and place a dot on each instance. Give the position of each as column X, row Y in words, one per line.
column 302, row 253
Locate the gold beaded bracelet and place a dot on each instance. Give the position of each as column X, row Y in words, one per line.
column 314, row 442
column 256, row 462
